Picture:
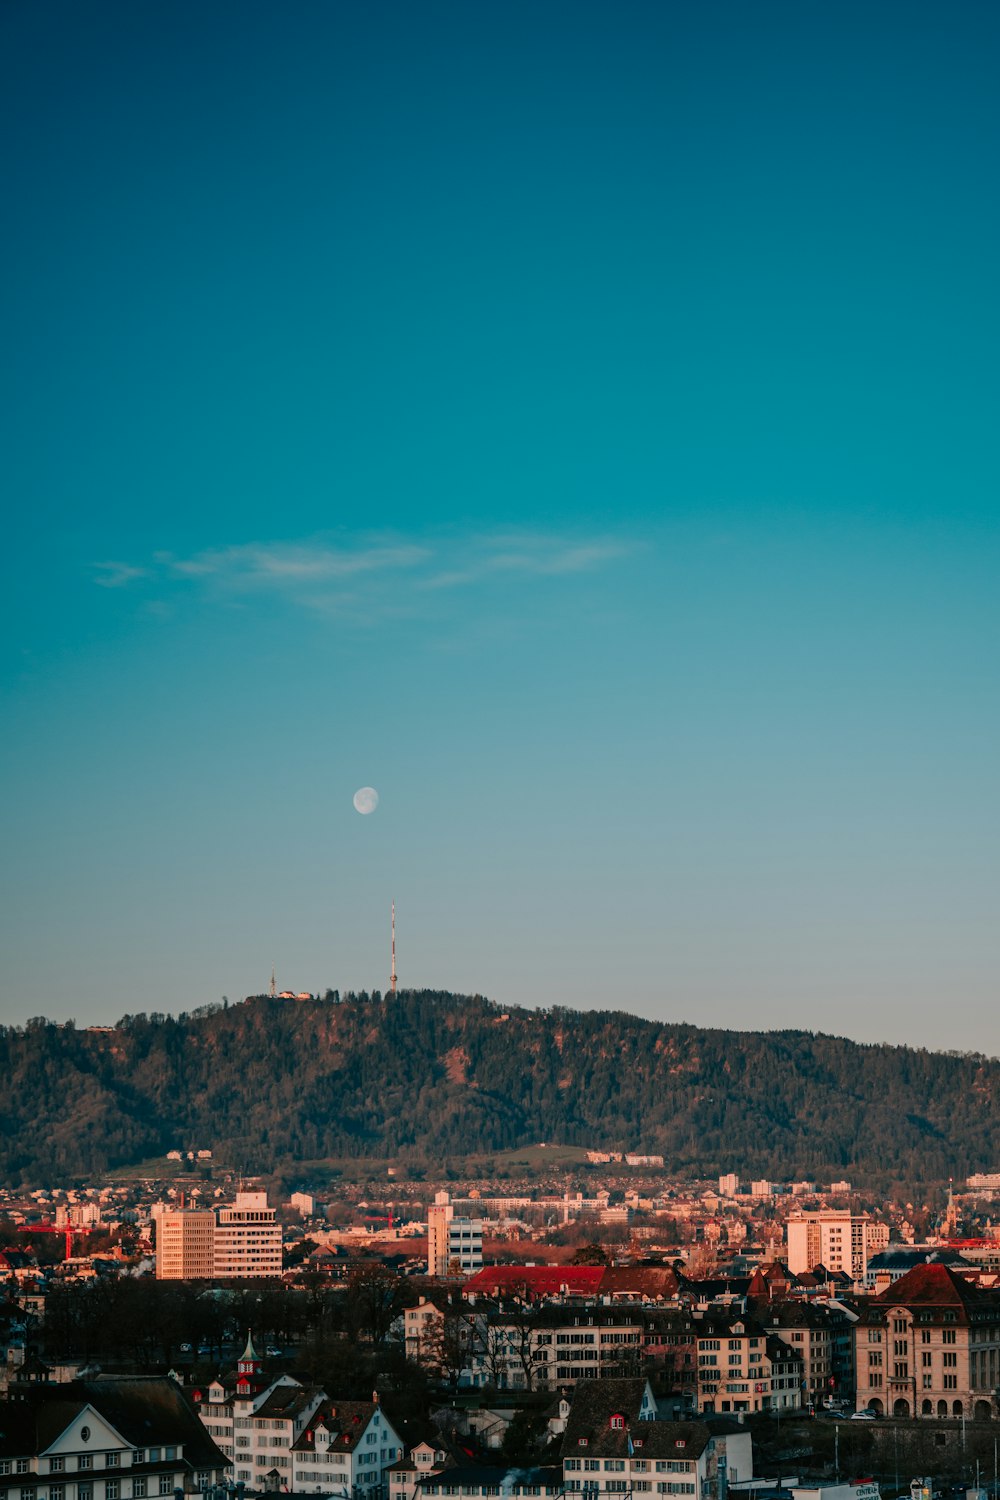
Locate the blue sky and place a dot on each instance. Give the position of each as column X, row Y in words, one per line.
column 577, row 422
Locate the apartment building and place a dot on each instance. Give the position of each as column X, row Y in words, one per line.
column 281, row 1435
column 741, row 1367
column 185, row 1244
column 614, row 1445
column 454, row 1245
column 424, row 1460
column 240, row 1241
column 929, row 1346
column 347, row 1449
column 552, row 1347
column 247, row 1239
column 838, row 1241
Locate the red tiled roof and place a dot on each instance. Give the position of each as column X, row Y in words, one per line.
column 537, row 1281
column 932, row 1285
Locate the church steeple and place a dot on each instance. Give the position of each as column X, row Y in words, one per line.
column 249, row 1361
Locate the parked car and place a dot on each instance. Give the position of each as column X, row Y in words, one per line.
column 863, row 1416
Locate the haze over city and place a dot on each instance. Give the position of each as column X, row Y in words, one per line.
column 576, row 424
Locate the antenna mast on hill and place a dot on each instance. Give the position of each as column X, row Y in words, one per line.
column 273, row 990
column 392, row 976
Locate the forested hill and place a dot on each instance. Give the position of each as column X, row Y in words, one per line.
column 429, row 1075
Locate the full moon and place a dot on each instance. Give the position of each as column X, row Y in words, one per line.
column 366, row 799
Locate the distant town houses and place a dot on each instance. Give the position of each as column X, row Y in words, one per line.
column 280, row 1435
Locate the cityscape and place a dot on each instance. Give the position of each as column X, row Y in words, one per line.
column 499, row 990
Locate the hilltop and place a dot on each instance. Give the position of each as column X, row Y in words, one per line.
column 429, row 1075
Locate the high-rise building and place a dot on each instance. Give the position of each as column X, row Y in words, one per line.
column 839, row 1241
column 239, row 1241
column 247, row 1238
column 185, row 1244
column 452, row 1244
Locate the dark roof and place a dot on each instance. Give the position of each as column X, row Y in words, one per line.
column 287, row 1401
column 145, row 1410
column 593, row 1405
column 344, row 1420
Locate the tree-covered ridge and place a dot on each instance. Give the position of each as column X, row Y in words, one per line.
column 429, row 1074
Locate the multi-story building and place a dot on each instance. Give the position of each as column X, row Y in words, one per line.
column 454, row 1245
column 742, row 1367
column 838, row 1241
column 929, row 1346
column 241, row 1241
column 425, row 1459
column 108, row 1439
column 812, row 1330
column 615, row 1446
column 247, row 1239
column 185, row 1244
column 347, row 1449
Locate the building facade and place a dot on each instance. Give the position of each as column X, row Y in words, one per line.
column 838, row 1241
column 239, row 1241
column 929, row 1346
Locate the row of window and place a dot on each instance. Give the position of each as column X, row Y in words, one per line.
column 617, row 1465
column 112, row 1489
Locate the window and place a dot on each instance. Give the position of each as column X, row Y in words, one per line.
column 85, row 1491
column 4, row 1465
column 166, row 1484
column 948, row 1336
column 22, row 1466
column 951, row 1382
column 925, row 1335
column 949, row 1361
column 139, row 1487
column 925, row 1360
column 57, row 1465
column 112, row 1460
column 112, row 1489
column 57, row 1492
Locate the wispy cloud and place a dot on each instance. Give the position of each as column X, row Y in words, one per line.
column 366, row 578
column 116, row 575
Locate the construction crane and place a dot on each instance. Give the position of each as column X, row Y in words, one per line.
column 69, row 1230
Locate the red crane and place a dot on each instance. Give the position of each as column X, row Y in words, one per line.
column 68, row 1230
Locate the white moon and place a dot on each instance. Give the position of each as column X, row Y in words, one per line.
column 366, row 799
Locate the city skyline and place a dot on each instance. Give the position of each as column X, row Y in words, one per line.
column 575, row 424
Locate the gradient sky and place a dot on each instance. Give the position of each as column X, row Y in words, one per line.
column 578, row 422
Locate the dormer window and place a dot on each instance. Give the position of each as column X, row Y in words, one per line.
column 618, row 1421
column 680, row 1442
column 637, row 1443
column 582, row 1442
